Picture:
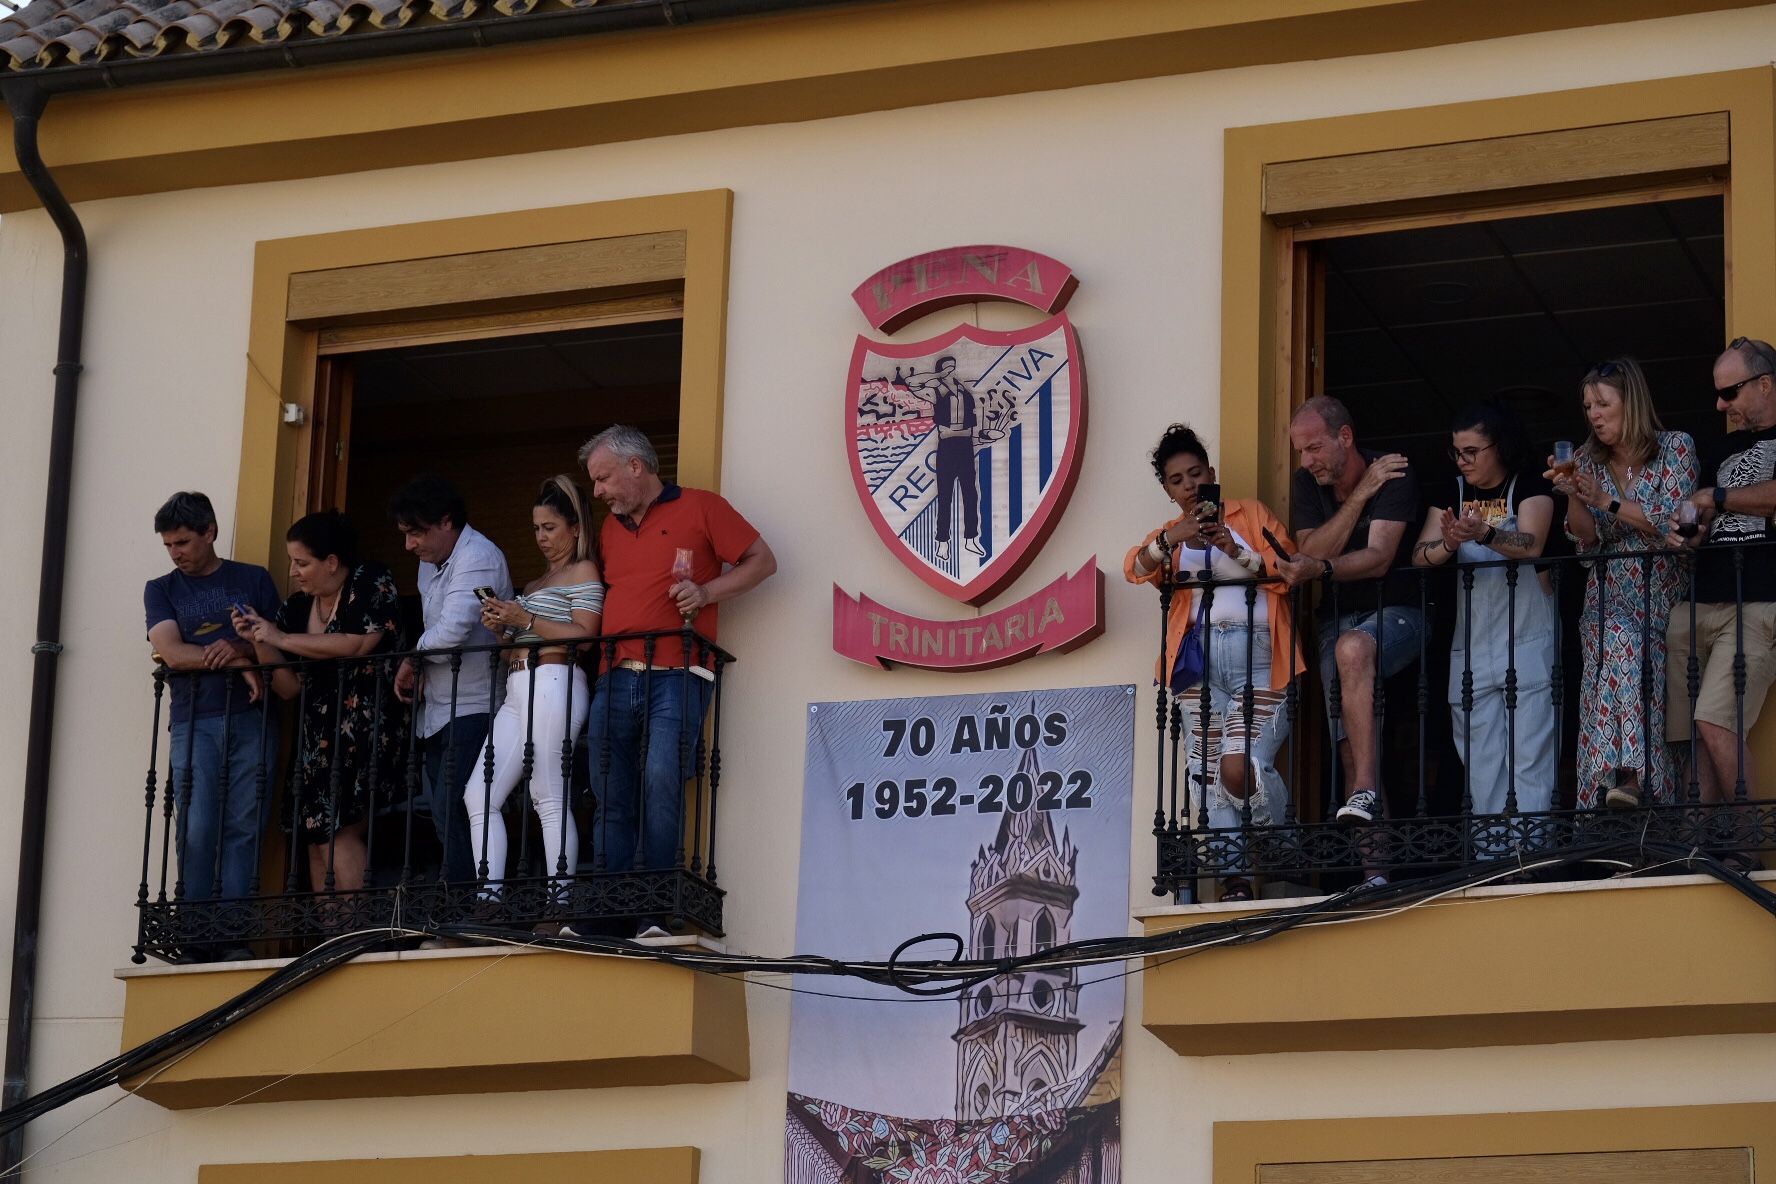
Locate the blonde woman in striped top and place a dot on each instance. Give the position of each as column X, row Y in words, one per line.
column 564, row 603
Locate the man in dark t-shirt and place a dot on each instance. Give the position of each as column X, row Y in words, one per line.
column 1354, row 513
column 224, row 733
column 1736, row 509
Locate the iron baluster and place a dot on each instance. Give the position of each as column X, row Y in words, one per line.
column 715, row 756
column 447, row 799
column 225, row 767
column 1422, row 807
column 336, row 767
column 482, row 871
column 1693, row 680
column 186, row 786
column 1511, row 688
column 1159, row 701
column 1739, row 788
column 1647, row 787
column 262, row 777
column 149, row 793
column 298, row 781
column 527, row 765
column 600, row 836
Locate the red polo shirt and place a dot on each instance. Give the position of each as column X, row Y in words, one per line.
column 638, row 561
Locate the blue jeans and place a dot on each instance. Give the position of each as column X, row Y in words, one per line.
column 461, row 739
column 221, row 792
column 671, row 702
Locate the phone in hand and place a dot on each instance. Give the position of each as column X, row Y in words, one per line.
column 1276, row 545
column 484, row 594
column 1208, row 502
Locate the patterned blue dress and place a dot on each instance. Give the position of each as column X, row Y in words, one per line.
column 1622, row 632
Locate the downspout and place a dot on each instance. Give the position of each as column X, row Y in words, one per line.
column 26, row 103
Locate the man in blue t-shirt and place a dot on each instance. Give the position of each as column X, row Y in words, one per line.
column 224, row 734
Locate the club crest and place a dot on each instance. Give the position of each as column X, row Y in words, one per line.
column 965, row 445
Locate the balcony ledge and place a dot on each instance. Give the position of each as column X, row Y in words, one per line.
column 443, row 1022
column 1531, row 964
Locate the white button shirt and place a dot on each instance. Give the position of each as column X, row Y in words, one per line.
column 453, row 617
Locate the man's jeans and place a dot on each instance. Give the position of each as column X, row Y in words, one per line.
column 219, row 792
column 463, row 737
column 671, row 702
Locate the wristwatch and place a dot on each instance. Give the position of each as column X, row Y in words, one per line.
column 1720, row 498
column 1615, row 507
column 1327, row 564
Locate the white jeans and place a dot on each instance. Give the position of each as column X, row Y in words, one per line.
column 549, row 725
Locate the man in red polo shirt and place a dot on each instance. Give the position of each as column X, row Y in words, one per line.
column 650, row 522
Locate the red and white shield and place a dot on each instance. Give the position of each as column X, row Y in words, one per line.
column 965, row 446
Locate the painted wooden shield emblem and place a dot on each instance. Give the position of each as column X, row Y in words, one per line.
column 964, row 448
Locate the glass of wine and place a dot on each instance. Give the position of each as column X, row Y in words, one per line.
column 681, row 571
column 1564, row 461
column 1687, row 526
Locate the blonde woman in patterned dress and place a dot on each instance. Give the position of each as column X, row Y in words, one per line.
column 1630, row 476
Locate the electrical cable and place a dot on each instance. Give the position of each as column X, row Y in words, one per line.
column 923, row 980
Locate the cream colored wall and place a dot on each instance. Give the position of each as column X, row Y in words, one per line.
column 1121, row 182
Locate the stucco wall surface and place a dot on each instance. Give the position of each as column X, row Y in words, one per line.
column 1121, row 182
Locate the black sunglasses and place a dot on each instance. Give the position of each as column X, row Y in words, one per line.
column 1605, row 370
column 1761, row 352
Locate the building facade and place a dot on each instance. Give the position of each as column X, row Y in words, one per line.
column 736, row 179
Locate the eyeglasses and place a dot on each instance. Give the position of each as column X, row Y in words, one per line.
column 1761, row 354
column 1606, row 370
column 1467, row 455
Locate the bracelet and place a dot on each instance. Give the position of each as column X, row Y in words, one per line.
column 1720, row 498
column 1491, row 533
column 1156, row 551
column 532, row 627
column 1250, row 560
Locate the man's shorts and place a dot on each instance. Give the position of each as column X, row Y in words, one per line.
column 1715, row 647
column 1401, row 635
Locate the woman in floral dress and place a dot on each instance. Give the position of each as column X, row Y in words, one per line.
column 342, row 610
column 1630, row 475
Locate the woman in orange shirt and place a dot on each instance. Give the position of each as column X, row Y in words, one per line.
column 1230, row 548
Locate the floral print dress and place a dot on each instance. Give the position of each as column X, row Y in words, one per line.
column 369, row 724
column 1622, row 723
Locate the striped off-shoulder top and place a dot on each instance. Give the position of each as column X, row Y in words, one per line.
column 559, row 604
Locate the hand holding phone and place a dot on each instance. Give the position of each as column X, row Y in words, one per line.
column 1208, row 502
column 484, row 594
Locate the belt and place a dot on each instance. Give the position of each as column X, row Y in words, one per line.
column 522, row 661
column 637, row 666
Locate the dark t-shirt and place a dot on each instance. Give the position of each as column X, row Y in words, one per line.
column 1311, row 505
column 1490, row 503
column 1744, row 458
column 200, row 606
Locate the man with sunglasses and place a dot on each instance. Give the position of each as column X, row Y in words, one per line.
column 1733, row 600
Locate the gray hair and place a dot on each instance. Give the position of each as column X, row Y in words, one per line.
column 625, row 443
column 1759, row 357
column 1334, row 414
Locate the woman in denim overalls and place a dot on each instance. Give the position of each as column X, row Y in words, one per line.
column 1502, row 509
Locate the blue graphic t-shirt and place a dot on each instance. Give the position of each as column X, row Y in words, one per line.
column 200, row 605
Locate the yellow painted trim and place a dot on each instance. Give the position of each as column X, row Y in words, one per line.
column 417, row 1025
column 653, row 1165
column 281, row 352
column 1240, row 1147
column 1254, row 453
column 732, row 73
column 1564, row 964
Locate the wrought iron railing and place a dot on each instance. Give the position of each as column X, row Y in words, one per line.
column 1428, row 819
column 284, row 908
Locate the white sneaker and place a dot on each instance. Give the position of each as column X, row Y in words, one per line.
column 1362, row 807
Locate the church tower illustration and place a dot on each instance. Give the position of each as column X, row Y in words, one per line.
column 1017, row 1039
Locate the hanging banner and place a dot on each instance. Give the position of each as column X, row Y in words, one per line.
column 1002, row 818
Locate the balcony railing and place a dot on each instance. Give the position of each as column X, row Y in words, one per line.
column 284, row 908
column 1428, row 819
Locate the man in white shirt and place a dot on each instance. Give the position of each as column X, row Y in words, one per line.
column 454, row 560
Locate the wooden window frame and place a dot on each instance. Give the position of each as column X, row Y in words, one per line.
column 1243, row 1149
column 522, row 271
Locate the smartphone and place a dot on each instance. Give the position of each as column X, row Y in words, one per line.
column 240, row 608
column 1276, row 545
column 1208, row 502
column 484, row 594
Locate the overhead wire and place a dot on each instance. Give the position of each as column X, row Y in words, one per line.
column 923, row 980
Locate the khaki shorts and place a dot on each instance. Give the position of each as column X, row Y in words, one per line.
column 1715, row 647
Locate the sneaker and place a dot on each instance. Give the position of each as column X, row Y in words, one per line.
column 1362, row 807
column 1624, row 794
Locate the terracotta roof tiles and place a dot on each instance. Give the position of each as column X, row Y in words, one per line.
column 48, row 33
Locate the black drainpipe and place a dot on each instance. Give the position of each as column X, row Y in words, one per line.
column 26, row 103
